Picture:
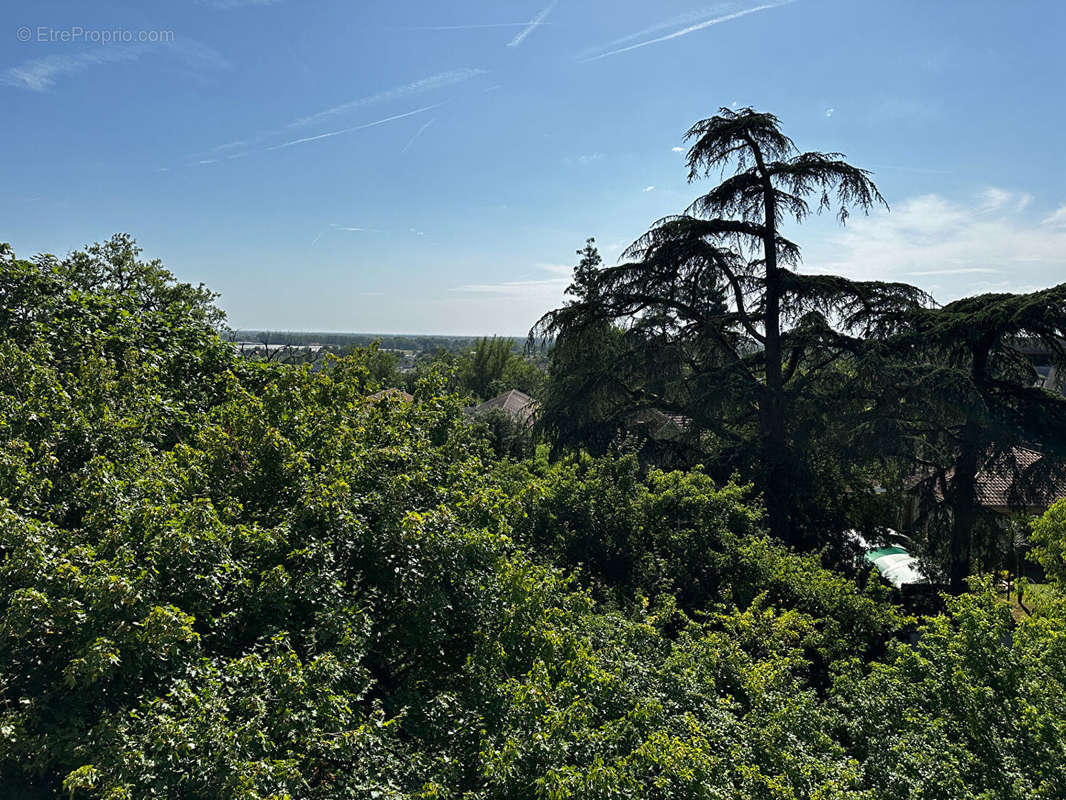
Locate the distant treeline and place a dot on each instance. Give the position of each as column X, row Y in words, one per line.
column 420, row 343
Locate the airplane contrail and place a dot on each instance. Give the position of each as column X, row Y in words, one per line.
column 418, row 133
column 352, row 129
column 473, row 27
column 690, row 29
column 536, row 22
column 438, row 81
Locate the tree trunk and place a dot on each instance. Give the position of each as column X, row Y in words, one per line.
column 963, row 508
column 778, row 488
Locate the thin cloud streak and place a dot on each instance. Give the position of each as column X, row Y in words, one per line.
column 537, row 287
column 347, row 228
column 960, row 271
column 230, row 145
column 690, row 29
column 352, row 129
column 682, row 20
column 40, row 74
column 225, row 5
column 418, row 133
column 919, row 170
column 549, row 286
column 532, row 25
column 473, row 27
column 438, row 81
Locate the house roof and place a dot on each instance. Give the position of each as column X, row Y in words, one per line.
column 516, row 403
column 656, row 424
column 995, row 485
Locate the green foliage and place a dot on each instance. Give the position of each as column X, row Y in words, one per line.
column 679, row 535
column 493, row 366
column 236, row 573
column 230, row 579
column 507, row 435
column 487, row 364
column 107, row 302
column 975, row 709
column 1049, row 543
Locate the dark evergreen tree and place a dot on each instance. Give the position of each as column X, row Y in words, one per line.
column 746, row 333
column 961, row 396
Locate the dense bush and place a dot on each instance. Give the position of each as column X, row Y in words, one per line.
column 975, row 709
column 681, row 535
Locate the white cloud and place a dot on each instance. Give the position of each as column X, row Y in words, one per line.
column 995, row 199
column 41, row 74
column 648, row 189
column 549, row 290
column 677, row 149
column 984, row 245
column 829, row 112
column 589, row 158
column 546, row 287
column 1057, row 218
column 557, row 269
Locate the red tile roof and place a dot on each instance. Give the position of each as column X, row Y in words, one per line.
column 996, row 485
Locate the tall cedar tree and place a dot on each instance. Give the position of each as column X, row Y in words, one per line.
column 721, row 280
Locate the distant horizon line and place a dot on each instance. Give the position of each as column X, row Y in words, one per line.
column 308, row 332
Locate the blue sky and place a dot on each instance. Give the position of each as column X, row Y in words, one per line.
column 433, row 166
